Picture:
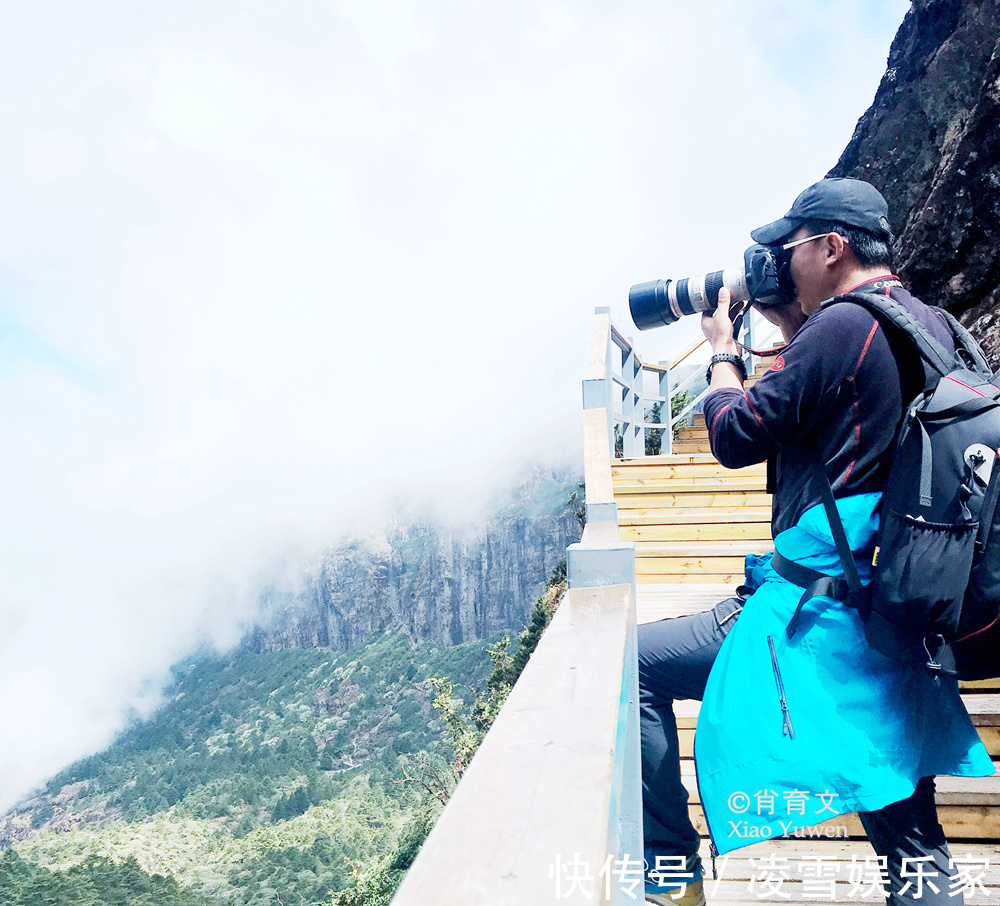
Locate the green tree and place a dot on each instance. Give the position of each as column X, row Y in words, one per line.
column 678, row 404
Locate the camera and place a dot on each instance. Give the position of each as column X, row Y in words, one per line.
column 764, row 280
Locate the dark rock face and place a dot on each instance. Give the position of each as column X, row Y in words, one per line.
column 451, row 585
column 931, row 143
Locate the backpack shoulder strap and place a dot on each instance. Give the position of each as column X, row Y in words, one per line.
column 967, row 342
column 891, row 312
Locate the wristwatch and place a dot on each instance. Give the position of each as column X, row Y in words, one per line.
column 726, row 357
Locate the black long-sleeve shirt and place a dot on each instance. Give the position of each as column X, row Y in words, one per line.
column 834, row 390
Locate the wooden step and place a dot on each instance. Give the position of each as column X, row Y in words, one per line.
column 724, row 482
column 701, row 549
column 691, row 446
column 651, row 501
column 655, row 462
column 681, row 580
column 696, row 516
column 693, row 568
column 667, row 467
column 745, row 531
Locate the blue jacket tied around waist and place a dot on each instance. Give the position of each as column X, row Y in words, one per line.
column 857, row 730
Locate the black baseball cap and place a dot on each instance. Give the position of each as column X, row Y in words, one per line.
column 849, row 201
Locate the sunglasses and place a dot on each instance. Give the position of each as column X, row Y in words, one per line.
column 791, row 245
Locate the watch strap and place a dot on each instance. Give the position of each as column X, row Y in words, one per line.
column 733, row 360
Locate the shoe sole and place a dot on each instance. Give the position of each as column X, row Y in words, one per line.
column 666, row 900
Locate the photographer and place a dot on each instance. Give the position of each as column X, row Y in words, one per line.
column 816, row 718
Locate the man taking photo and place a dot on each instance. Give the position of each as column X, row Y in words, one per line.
column 800, row 726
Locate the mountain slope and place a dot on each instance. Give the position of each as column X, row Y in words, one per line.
column 265, row 773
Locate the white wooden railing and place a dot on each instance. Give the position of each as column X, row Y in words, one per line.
column 630, row 387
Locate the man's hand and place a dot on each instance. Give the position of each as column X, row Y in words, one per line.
column 718, row 328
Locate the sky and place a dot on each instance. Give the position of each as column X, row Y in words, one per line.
column 265, row 268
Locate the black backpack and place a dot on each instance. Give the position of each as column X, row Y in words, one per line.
column 935, row 595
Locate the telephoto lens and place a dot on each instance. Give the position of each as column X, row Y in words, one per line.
column 764, row 279
column 662, row 302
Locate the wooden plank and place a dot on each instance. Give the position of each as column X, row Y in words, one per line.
column 654, row 462
column 984, row 708
column 667, row 471
column 701, row 515
column 690, row 348
column 597, row 457
column 652, row 504
column 968, row 790
column 751, row 531
column 700, row 549
column 683, row 567
column 708, row 578
column 659, row 601
column 695, row 599
column 597, row 367
column 733, row 482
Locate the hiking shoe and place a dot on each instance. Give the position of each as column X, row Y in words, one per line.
column 693, row 895
column 673, row 880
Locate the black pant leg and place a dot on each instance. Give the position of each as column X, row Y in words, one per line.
column 909, row 829
column 675, row 657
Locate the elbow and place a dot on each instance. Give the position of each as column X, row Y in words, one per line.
column 734, row 452
column 728, row 457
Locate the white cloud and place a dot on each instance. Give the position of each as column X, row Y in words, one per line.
column 259, row 272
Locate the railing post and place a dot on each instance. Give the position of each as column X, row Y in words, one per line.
column 633, row 411
column 667, row 437
column 599, row 385
column 751, row 359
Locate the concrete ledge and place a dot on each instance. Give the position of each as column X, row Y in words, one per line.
column 591, row 565
column 602, row 512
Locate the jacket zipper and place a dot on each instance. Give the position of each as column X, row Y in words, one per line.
column 786, row 723
column 713, row 850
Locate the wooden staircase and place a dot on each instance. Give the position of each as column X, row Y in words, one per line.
column 693, row 522
column 692, row 519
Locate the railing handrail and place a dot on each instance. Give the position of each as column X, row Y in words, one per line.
column 694, row 347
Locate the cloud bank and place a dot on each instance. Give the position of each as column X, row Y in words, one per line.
column 263, row 268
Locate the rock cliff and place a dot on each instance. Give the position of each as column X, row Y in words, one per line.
column 447, row 583
column 931, row 143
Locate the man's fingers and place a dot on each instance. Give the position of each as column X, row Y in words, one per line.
column 725, row 297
